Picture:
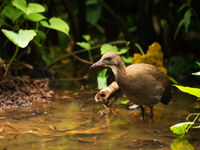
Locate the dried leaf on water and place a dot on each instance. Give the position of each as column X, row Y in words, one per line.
column 2, row 128
column 87, row 131
column 52, row 127
column 120, row 134
column 88, row 139
column 10, row 125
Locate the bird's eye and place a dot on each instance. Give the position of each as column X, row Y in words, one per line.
column 109, row 58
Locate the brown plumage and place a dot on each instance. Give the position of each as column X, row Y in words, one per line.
column 143, row 84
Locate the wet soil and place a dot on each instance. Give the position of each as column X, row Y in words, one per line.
column 23, row 93
column 75, row 121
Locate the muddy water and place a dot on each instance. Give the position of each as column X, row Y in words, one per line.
column 76, row 122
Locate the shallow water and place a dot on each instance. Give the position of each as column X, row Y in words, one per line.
column 75, row 122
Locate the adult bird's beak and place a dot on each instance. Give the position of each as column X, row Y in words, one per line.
column 98, row 63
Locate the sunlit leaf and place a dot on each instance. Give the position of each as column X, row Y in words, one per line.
column 87, row 37
column 127, row 60
column 189, row 90
column 180, row 128
column 11, row 12
column 122, row 102
column 102, row 79
column 108, row 48
column 122, row 51
column 56, row 24
column 28, row 9
column 35, row 17
column 22, row 38
column 196, row 73
column 84, row 45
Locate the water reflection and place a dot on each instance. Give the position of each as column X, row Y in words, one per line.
column 76, row 122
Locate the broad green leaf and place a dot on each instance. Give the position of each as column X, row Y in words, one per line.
column 196, row 73
column 102, row 79
column 108, row 48
column 11, row 12
column 56, row 24
column 189, row 90
column 40, row 35
column 93, row 11
column 28, row 9
column 122, row 51
column 35, row 17
column 86, row 37
column 187, row 17
column 84, row 45
column 22, row 38
column 180, row 24
column 128, row 60
column 180, row 128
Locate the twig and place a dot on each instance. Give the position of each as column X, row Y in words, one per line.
column 82, row 60
column 80, row 51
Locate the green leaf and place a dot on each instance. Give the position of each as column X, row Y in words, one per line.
column 122, row 102
column 86, row 37
column 189, row 90
column 122, row 51
column 180, row 128
column 93, row 11
column 11, row 12
column 35, row 17
column 128, row 60
column 31, row 8
column 198, row 63
column 84, row 45
column 56, row 24
column 102, row 79
column 196, row 73
column 108, row 48
column 187, row 17
column 22, row 38
column 180, row 24
column 182, row 7
column 173, row 80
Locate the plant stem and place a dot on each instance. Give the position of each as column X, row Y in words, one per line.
column 11, row 60
column 197, row 116
column 140, row 48
column 90, row 56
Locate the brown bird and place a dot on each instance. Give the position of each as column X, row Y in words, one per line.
column 143, row 84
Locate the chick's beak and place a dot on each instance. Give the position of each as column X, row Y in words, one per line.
column 98, row 63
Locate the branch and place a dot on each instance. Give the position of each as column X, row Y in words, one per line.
column 55, row 61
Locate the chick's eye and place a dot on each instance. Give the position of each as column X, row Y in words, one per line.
column 109, row 58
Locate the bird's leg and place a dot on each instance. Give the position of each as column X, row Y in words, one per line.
column 151, row 113
column 142, row 112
